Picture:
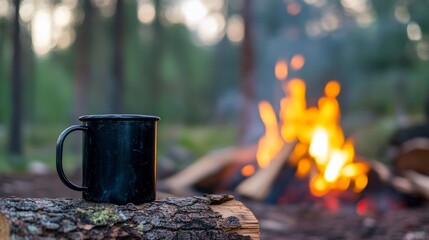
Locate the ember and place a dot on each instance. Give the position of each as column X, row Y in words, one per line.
column 322, row 153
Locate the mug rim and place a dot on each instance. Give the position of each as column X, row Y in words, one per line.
column 95, row 117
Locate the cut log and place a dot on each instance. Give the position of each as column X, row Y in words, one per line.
column 206, row 166
column 411, row 149
column 199, row 217
column 4, row 227
column 258, row 186
column 410, row 160
column 413, row 155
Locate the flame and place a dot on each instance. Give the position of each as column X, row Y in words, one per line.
column 318, row 186
column 281, row 69
column 248, row 170
column 297, row 62
column 292, row 110
column 322, row 152
column 335, row 164
column 270, row 144
column 360, row 182
column 293, row 8
column 319, row 146
column 332, row 89
column 303, row 168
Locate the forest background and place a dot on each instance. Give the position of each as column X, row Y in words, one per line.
column 202, row 66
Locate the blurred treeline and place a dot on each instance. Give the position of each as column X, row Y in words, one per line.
column 201, row 62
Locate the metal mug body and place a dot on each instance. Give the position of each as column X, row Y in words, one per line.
column 119, row 158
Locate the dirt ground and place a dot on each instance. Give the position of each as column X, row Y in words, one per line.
column 303, row 221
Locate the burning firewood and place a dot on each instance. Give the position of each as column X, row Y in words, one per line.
column 206, row 166
column 258, row 185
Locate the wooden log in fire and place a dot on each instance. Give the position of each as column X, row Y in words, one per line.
column 408, row 182
column 199, row 217
column 410, row 160
column 206, row 166
column 257, row 186
column 411, row 149
column 413, row 155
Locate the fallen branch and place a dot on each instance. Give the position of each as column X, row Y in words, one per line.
column 420, row 182
column 410, row 182
column 200, row 217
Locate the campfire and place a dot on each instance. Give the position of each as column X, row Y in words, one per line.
column 320, row 153
column 302, row 156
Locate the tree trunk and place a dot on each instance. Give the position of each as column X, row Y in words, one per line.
column 15, row 140
column 3, row 35
column 200, row 217
column 155, row 78
column 83, row 63
column 118, row 58
column 247, row 71
column 426, row 106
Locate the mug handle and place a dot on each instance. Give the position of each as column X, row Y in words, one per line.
column 59, row 163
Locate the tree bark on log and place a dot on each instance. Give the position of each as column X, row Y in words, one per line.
column 198, row 217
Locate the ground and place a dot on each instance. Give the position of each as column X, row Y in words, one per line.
column 303, row 221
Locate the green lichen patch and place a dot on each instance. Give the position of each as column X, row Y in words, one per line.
column 99, row 216
column 142, row 227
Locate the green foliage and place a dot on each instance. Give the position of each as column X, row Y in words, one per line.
column 53, row 92
column 384, row 53
column 202, row 139
column 368, row 61
column 196, row 139
column 417, row 89
column 372, row 140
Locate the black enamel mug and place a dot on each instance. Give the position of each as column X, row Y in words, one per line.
column 119, row 158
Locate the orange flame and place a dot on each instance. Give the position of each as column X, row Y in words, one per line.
column 318, row 186
column 331, row 164
column 297, row 62
column 248, row 170
column 293, row 8
column 303, row 168
column 292, row 110
column 281, row 69
column 270, row 144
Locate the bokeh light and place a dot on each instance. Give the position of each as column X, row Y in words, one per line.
column 146, row 12
column 41, row 31
column 414, row 32
column 235, row 29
